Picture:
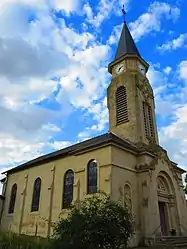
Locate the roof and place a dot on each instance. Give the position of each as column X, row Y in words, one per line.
column 177, row 168
column 72, row 150
column 92, row 143
column 126, row 44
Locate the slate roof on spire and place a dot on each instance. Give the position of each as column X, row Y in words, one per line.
column 126, row 44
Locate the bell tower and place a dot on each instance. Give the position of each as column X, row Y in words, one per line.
column 130, row 96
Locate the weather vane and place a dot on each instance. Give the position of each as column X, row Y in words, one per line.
column 124, row 12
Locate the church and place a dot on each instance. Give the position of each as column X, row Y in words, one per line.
column 127, row 163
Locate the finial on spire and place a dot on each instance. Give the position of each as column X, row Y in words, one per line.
column 124, row 12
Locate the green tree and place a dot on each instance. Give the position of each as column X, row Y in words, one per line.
column 96, row 222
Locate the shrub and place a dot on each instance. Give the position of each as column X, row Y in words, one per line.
column 96, row 222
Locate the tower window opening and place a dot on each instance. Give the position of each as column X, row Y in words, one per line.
column 148, row 120
column 121, row 105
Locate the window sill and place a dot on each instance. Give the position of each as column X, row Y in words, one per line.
column 122, row 122
column 10, row 215
column 34, row 212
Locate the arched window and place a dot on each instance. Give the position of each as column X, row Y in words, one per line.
column 12, row 199
column 68, row 189
column 92, row 177
column 121, row 105
column 36, row 195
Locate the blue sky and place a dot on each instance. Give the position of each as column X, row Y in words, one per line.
column 53, row 71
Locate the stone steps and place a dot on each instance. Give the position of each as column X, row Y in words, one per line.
column 177, row 241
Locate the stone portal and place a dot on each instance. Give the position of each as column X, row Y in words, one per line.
column 167, row 205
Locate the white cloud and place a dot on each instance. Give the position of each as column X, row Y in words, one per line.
column 174, row 136
column 31, row 59
column 21, row 122
column 151, row 20
column 27, row 63
column 171, row 106
column 167, row 70
column 88, row 11
column 166, row 103
column 67, row 5
column 174, row 44
column 8, row 2
column 46, row 50
column 14, row 150
column 103, row 11
column 58, row 145
column 86, row 79
column 115, row 35
column 182, row 70
column 51, row 127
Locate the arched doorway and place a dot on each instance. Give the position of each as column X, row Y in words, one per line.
column 166, row 203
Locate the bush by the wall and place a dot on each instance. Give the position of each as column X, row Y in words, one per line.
column 95, row 222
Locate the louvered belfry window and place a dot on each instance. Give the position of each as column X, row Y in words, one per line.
column 148, row 120
column 121, row 105
column 12, row 199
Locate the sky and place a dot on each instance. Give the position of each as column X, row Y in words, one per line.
column 54, row 56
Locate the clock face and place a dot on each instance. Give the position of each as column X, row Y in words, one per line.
column 119, row 68
column 141, row 69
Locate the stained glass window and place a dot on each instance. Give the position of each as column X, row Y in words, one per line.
column 36, row 195
column 12, row 199
column 68, row 189
column 92, row 177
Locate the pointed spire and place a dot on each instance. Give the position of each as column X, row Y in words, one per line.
column 126, row 43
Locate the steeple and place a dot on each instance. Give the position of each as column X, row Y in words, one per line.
column 126, row 44
column 130, row 97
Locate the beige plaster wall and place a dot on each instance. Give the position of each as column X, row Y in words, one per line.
column 123, row 158
column 123, row 172
column 22, row 220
